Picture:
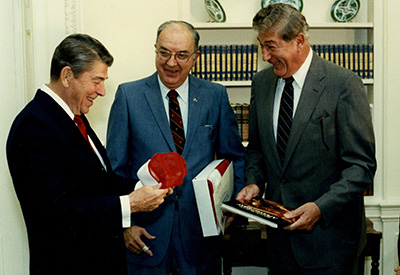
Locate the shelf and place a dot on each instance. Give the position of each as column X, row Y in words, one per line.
column 248, row 83
column 235, row 83
column 368, row 81
column 222, row 26
column 334, row 25
column 321, row 25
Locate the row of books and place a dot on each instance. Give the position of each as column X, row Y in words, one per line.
column 239, row 62
column 226, row 62
column 241, row 111
column 359, row 58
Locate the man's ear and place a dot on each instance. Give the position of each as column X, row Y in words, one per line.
column 300, row 41
column 196, row 56
column 66, row 76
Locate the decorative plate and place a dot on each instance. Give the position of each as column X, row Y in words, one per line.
column 298, row 4
column 215, row 10
column 345, row 10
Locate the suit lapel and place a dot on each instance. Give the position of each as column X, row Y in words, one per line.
column 99, row 146
column 68, row 127
column 312, row 90
column 265, row 101
column 195, row 103
column 153, row 97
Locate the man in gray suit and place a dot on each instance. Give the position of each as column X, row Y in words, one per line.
column 320, row 160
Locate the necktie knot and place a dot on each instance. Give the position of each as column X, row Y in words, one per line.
column 172, row 94
column 78, row 120
column 289, row 80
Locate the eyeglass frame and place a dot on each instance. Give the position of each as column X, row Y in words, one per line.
column 157, row 51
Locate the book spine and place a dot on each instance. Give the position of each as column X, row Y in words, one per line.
column 361, row 61
column 234, row 62
column 352, row 58
column 208, row 62
column 203, row 62
column 255, row 60
column 212, row 63
column 245, row 53
column 229, row 62
column 218, row 62
column 245, row 121
column 238, row 113
column 223, row 63
column 371, row 60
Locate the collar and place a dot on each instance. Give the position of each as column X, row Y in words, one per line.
column 300, row 75
column 182, row 90
column 58, row 99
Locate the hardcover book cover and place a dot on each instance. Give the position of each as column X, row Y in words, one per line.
column 212, row 186
column 260, row 210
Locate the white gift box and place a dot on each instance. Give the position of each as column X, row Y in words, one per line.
column 211, row 189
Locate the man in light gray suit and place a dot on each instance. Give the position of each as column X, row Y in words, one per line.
column 139, row 126
column 322, row 160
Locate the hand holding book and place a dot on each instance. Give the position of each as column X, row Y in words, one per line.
column 269, row 207
column 261, row 210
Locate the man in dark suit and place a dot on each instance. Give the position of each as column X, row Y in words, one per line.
column 139, row 126
column 73, row 204
column 319, row 159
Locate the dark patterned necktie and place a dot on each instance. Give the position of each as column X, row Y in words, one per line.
column 175, row 120
column 285, row 118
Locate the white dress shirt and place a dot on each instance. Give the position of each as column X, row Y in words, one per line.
column 299, row 78
column 183, row 95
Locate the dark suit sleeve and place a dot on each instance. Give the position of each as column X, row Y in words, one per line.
column 356, row 149
column 229, row 143
column 255, row 163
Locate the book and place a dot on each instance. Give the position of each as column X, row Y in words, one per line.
column 212, row 186
column 254, row 59
column 245, row 121
column 260, row 210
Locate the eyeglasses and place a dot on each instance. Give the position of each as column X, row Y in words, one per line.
column 181, row 57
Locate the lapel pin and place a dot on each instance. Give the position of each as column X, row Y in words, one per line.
column 194, row 99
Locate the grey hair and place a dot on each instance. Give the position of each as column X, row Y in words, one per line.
column 196, row 35
column 283, row 18
column 78, row 51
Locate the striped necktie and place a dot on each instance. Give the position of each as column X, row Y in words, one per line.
column 175, row 120
column 285, row 118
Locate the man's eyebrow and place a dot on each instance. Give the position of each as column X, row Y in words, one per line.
column 100, row 78
column 164, row 48
column 265, row 42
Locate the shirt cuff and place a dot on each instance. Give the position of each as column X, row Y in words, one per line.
column 126, row 211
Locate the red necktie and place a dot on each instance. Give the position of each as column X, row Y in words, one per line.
column 176, row 123
column 82, row 127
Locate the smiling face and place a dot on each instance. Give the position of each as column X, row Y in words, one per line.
column 83, row 90
column 175, row 38
column 285, row 57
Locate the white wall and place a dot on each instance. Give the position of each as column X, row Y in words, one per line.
column 128, row 30
column 13, row 241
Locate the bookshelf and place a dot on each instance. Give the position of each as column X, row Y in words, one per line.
column 366, row 28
